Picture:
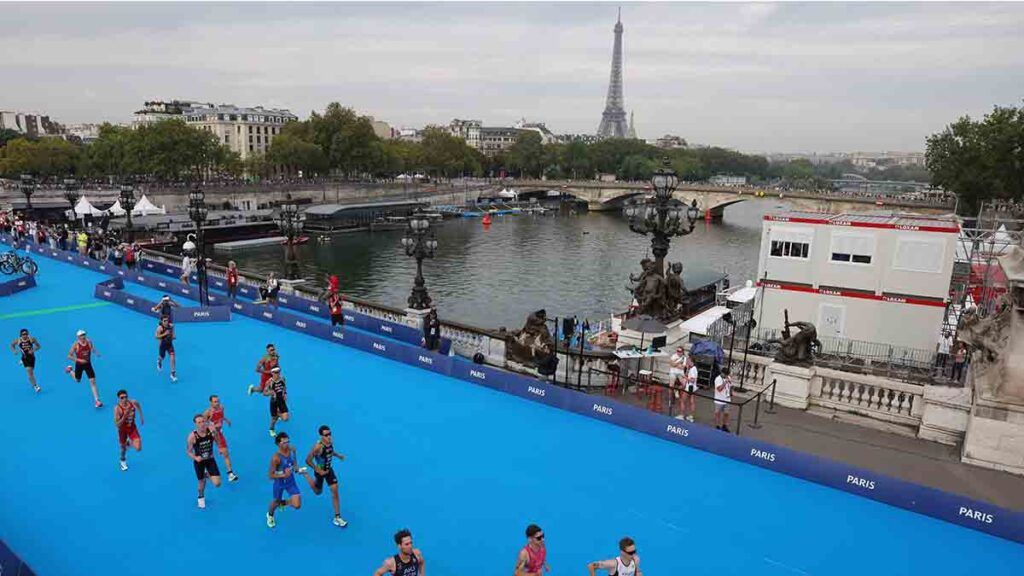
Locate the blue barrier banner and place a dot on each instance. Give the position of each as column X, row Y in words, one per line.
column 16, row 285
column 11, row 564
column 111, row 291
column 477, row 374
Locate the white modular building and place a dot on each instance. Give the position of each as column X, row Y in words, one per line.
column 863, row 277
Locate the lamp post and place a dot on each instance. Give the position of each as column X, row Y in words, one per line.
column 197, row 212
column 127, row 203
column 71, row 195
column 419, row 246
column 290, row 223
column 28, row 187
column 661, row 215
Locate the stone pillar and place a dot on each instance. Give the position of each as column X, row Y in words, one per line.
column 945, row 414
column 793, row 384
column 414, row 317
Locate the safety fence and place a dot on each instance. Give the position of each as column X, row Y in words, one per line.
column 945, row 506
column 15, row 285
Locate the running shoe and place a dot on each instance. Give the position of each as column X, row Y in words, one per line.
column 680, row 417
column 202, row 503
column 270, row 521
column 339, row 522
column 302, row 470
column 124, row 465
column 159, row 365
column 69, row 369
column 232, row 477
column 689, row 418
column 174, row 377
column 251, row 388
column 37, row 389
column 99, row 404
column 272, row 433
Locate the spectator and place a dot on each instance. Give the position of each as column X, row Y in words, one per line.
column 129, row 255
column 62, row 237
column 232, row 278
column 431, row 330
column 188, row 266
column 723, row 395
column 945, row 345
column 268, row 293
column 689, row 391
column 83, row 243
column 677, row 371
column 118, row 255
column 959, row 360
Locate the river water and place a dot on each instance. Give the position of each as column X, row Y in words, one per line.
column 495, row 276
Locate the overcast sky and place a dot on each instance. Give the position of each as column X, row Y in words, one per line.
column 756, row 77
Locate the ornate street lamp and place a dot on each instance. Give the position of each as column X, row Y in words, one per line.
column 71, row 195
column 127, row 203
column 419, row 246
column 197, row 212
column 290, row 223
column 28, row 187
column 661, row 216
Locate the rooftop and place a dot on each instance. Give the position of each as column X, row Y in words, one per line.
column 892, row 221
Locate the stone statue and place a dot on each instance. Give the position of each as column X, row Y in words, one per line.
column 675, row 291
column 797, row 349
column 649, row 290
column 989, row 335
column 533, row 345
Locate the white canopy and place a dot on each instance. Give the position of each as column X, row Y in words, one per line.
column 116, row 209
column 85, row 208
column 144, row 208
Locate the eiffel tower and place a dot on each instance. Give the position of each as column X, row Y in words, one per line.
column 613, row 120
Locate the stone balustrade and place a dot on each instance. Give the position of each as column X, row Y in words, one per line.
column 870, row 396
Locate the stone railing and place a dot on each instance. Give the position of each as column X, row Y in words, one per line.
column 870, row 396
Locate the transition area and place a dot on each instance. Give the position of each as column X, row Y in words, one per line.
column 464, row 467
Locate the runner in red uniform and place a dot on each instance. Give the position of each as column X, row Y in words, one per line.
column 215, row 415
column 268, row 362
column 81, row 354
column 124, row 420
column 532, row 558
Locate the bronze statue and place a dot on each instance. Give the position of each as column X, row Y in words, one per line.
column 675, row 291
column 659, row 295
column 533, row 344
column 797, row 349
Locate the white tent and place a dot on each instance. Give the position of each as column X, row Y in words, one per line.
column 144, row 208
column 85, row 208
column 116, row 209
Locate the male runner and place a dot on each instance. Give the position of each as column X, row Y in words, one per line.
column 533, row 557
column 627, row 563
column 268, row 362
column 215, row 415
column 164, row 306
column 165, row 335
column 124, row 420
column 282, row 472
column 320, row 459
column 408, row 561
column 199, row 448
column 28, row 346
column 277, row 390
column 81, row 354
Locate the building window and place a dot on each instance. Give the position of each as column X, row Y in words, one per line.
column 250, row 130
column 233, row 117
column 266, row 129
column 250, row 139
column 257, row 139
column 790, row 242
column 852, row 248
column 786, row 249
column 227, row 139
column 250, row 147
column 239, row 129
column 917, row 254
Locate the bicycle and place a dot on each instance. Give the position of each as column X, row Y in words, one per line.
column 11, row 263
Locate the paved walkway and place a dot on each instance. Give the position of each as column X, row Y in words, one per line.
column 898, row 455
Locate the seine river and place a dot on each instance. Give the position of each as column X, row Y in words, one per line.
column 495, row 276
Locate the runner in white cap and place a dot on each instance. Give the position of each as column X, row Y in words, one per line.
column 81, row 354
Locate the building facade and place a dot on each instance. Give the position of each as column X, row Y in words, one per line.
column 882, row 279
column 494, row 140
column 670, row 142
column 31, row 125
column 727, row 180
column 468, row 130
column 247, row 131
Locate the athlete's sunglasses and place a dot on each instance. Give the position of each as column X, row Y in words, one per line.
column 325, row 433
column 631, row 552
column 539, row 537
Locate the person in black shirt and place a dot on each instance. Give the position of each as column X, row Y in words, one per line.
column 431, row 330
column 27, row 345
column 278, row 393
column 200, row 449
column 408, row 562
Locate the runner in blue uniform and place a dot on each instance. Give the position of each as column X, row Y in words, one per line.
column 283, row 468
column 321, row 460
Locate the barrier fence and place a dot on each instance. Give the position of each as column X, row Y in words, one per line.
column 938, row 504
column 15, row 285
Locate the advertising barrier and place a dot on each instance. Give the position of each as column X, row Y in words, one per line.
column 945, row 506
column 113, row 291
column 11, row 565
column 16, row 285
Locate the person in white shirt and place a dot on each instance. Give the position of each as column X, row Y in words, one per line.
column 627, row 563
column 723, row 394
column 689, row 407
column 677, row 372
column 188, row 266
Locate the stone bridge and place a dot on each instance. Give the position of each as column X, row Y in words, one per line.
column 714, row 199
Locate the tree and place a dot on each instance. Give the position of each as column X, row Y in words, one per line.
column 526, row 156
column 44, row 158
column 636, row 167
column 6, row 135
column 294, row 154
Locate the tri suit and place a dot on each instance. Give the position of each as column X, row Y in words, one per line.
column 28, row 352
column 217, row 419
column 410, row 568
column 278, row 405
column 325, row 461
column 127, row 430
column 167, row 341
column 282, row 485
column 83, row 361
column 202, row 447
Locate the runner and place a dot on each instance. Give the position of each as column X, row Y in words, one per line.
column 124, row 420
column 81, row 354
column 533, row 557
column 627, row 563
column 216, row 417
column 408, row 562
column 232, row 278
column 28, row 346
column 277, row 390
column 336, row 304
column 320, row 459
column 164, row 307
column 268, row 362
column 165, row 335
column 282, row 472
column 199, row 448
